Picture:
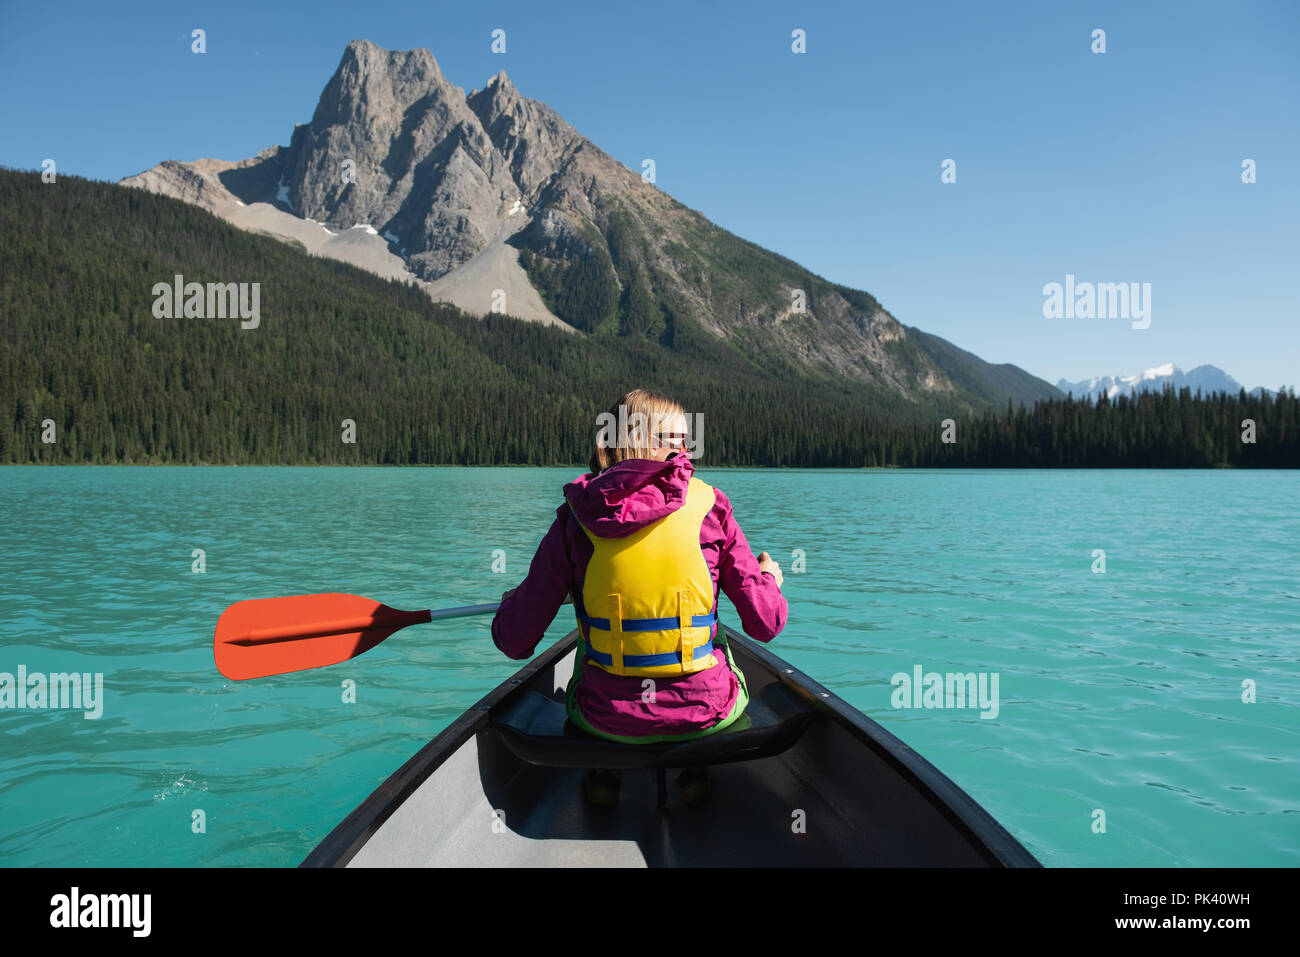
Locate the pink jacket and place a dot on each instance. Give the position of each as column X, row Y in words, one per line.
column 618, row 501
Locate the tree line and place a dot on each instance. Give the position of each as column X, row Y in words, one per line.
column 1168, row 429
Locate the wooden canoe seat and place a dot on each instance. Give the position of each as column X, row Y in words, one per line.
column 536, row 729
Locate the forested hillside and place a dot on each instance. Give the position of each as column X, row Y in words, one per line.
column 82, row 348
column 80, row 345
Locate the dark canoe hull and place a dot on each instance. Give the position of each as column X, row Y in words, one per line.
column 846, row 793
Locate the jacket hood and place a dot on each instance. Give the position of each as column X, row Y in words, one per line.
column 630, row 494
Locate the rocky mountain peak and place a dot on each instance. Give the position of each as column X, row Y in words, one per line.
column 493, row 192
column 371, row 59
column 371, row 81
column 394, row 145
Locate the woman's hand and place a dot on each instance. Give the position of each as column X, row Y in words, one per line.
column 766, row 564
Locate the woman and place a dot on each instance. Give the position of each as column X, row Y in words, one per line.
column 642, row 547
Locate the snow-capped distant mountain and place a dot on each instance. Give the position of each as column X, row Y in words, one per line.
column 1203, row 379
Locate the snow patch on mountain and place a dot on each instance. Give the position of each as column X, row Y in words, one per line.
column 282, row 194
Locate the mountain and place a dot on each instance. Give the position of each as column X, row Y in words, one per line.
column 993, row 383
column 493, row 202
column 1204, row 379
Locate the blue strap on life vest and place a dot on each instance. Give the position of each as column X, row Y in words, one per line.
column 644, row 624
column 648, row 661
column 652, row 624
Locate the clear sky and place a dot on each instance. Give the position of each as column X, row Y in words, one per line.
column 1117, row 167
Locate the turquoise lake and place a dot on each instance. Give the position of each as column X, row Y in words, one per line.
column 1119, row 692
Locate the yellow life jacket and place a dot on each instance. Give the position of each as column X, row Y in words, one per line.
column 648, row 599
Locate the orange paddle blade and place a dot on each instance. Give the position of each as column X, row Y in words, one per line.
column 274, row 636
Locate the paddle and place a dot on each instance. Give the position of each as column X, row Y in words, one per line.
column 274, row 636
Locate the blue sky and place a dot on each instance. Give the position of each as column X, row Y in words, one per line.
column 1115, row 167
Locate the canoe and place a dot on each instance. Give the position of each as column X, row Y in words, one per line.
column 802, row 779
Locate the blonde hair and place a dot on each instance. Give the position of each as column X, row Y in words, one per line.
column 654, row 406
